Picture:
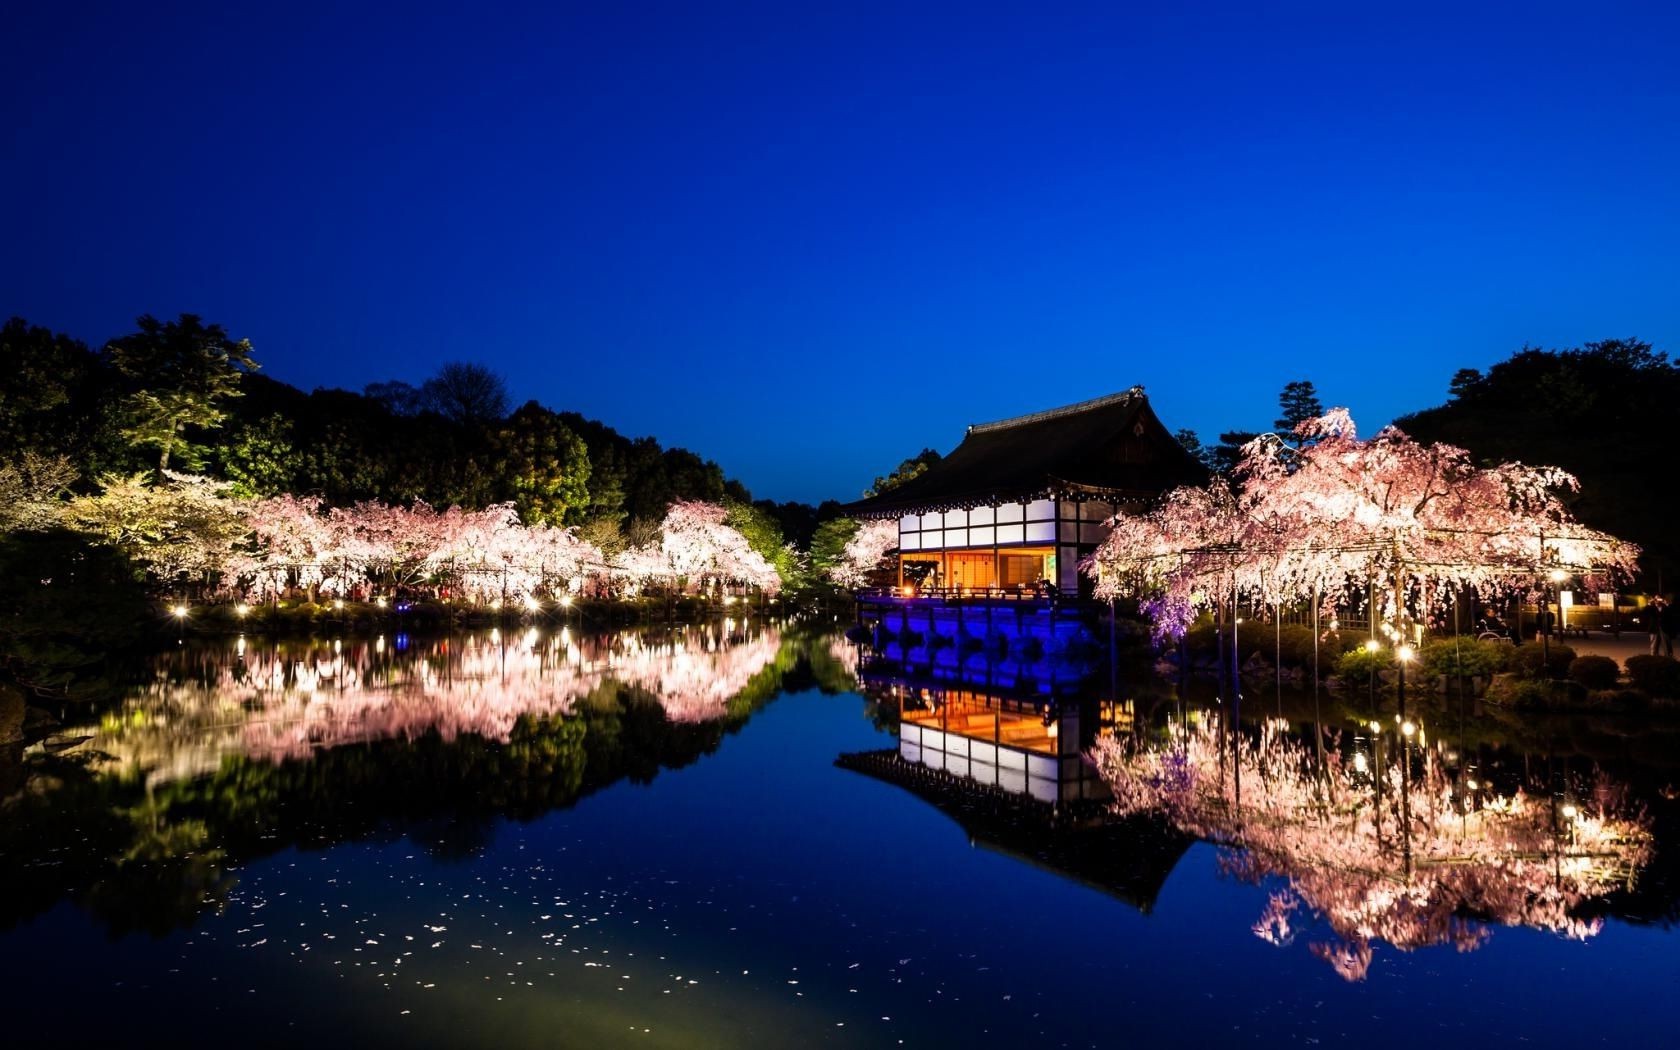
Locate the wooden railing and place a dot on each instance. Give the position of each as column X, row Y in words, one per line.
column 1021, row 592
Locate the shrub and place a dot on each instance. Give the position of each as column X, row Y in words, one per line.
column 1200, row 639
column 1538, row 660
column 1465, row 657
column 1356, row 666
column 1656, row 675
column 1594, row 672
column 1619, row 700
column 1531, row 694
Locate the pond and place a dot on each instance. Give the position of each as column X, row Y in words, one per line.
column 719, row 836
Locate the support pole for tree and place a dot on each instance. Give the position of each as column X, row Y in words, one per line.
column 1277, row 656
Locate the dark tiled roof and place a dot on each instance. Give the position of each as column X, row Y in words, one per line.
column 1110, row 448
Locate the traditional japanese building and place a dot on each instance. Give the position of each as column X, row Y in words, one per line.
column 1012, row 510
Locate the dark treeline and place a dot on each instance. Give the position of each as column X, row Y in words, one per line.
column 1604, row 411
column 184, row 395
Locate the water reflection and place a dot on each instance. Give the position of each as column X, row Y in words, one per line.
column 1386, row 842
column 1381, row 835
column 233, row 751
column 1021, row 746
column 278, row 700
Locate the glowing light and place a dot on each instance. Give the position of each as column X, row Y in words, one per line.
column 565, row 601
column 180, row 612
column 242, row 609
column 1372, row 645
column 1359, row 762
column 1471, row 784
column 338, row 603
column 1569, row 811
column 532, row 604
column 1407, row 727
column 379, row 602
column 1558, row 576
column 1376, row 727
column 1405, row 653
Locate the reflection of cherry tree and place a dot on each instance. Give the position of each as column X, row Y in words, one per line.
column 282, row 702
column 844, row 652
column 1341, row 512
column 1397, row 854
column 693, row 677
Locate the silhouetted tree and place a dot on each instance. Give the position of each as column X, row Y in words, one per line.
column 465, row 393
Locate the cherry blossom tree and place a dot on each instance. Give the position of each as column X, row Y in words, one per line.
column 485, row 555
column 864, row 553
column 184, row 527
column 31, row 490
column 1423, row 520
column 291, row 545
column 698, row 550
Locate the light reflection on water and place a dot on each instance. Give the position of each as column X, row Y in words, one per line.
column 518, row 835
column 280, row 700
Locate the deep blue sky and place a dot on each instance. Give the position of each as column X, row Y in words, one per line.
column 806, row 242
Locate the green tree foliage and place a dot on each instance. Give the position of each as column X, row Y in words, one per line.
column 1297, row 403
column 1603, row 411
column 828, row 544
column 59, row 634
column 185, row 393
column 179, row 376
column 1192, row 443
column 543, row 467
column 913, row 467
column 764, row 535
column 30, row 491
column 49, row 389
column 183, row 529
column 260, row 459
column 1224, row 456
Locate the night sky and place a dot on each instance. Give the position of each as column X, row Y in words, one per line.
column 807, row 242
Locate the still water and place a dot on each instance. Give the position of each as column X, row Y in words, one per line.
column 718, row 837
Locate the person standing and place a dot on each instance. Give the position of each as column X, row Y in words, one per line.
column 1662, row 642
column 1668, row 624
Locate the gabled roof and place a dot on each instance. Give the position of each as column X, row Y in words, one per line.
column 1111, row 448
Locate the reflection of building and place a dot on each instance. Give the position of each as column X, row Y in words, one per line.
column 1012, row 510
column 1128, row 859
column 1022, row 747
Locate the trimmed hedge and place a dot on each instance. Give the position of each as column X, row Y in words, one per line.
column 1465, row 657
column 1595, row 672
column 1537, row 660
column 1656, row 675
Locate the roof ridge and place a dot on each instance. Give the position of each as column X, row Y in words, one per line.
column 1056, row 413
